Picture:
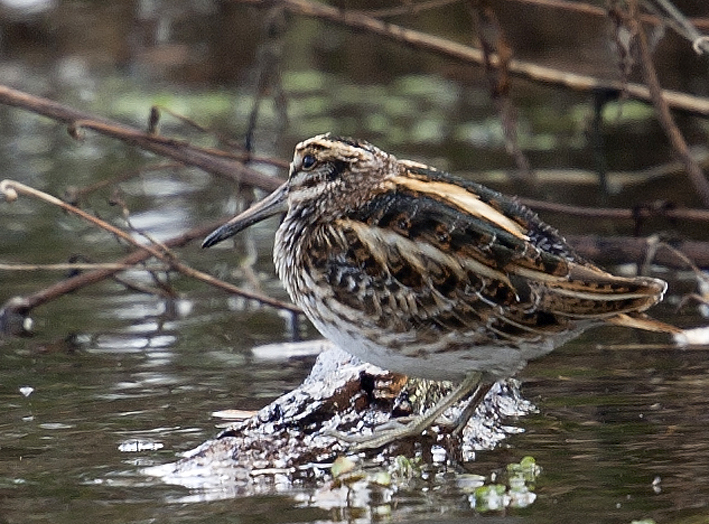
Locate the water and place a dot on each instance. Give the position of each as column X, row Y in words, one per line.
column 621, row 430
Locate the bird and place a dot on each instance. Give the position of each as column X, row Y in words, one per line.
column 425, row 274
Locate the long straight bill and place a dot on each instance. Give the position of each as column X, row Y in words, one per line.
column 276, row 202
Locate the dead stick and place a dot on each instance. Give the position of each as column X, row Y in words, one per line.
column 409, row 8
column 11, row 189
column 563, row 5
column 662, row 109
column 700, row 215
column 73, row 194
column 73, row 267
column 175, row 149
column 600, row 12
column 467, row 54
column 620, row 250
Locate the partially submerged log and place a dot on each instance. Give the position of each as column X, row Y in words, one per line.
column 290, row 439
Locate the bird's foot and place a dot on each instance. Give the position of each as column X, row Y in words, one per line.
column 384, row 435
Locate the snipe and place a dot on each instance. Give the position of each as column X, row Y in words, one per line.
column 424, row 274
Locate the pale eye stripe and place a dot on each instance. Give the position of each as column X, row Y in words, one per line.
column 463, row 199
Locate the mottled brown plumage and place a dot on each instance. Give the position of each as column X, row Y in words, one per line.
column 428, row 275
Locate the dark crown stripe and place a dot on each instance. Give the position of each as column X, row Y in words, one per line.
column 332, row 142
column 353, row 142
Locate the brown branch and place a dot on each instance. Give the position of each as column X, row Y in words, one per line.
column 10, row 189
column 620, row 250
column 74, row 266
column 156, row 117
column 494, row 44
column 175, row 149
column 409, row 8
column 695, row 173
column 471, row 55
column 699, row 215
column 675, row 19
column 242, row 155
column 600, row 12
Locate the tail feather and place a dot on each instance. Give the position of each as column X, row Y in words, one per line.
column 590, row 293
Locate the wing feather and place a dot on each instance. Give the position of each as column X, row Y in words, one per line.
column 443, row 255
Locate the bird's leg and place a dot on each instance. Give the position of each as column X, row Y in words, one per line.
column 421, row 423
column 469, row 411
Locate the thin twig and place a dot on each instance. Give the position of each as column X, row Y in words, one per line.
column 471, row 55
column 700, row 275
column 157, row 110
column 11, row 189
column 683, row 26
column 24, row 304
column 175, row 149
column 241, row 155
column 620, row 250
column 79, row 266
column 699, row 215
column 160, row 291
column 74, row 194
column 695, row 173
column 409, row 8
column 494, row 43
column 600, row 12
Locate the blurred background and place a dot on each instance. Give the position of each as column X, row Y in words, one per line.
column 127, row 373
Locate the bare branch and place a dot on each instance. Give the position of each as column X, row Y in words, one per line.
column 494, row 44
column 12, row 189
column 74, row 194
column 600, row 12
column 178, row 150
column 699, row 215
column 409, row 8
column 81, row 266
column 471, row 55
column 682, row 26
column 695, row 173
column 620, row 250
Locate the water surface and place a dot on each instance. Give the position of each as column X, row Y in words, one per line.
column 621, row 430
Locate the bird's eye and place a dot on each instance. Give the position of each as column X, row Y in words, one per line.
column 308, row 162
